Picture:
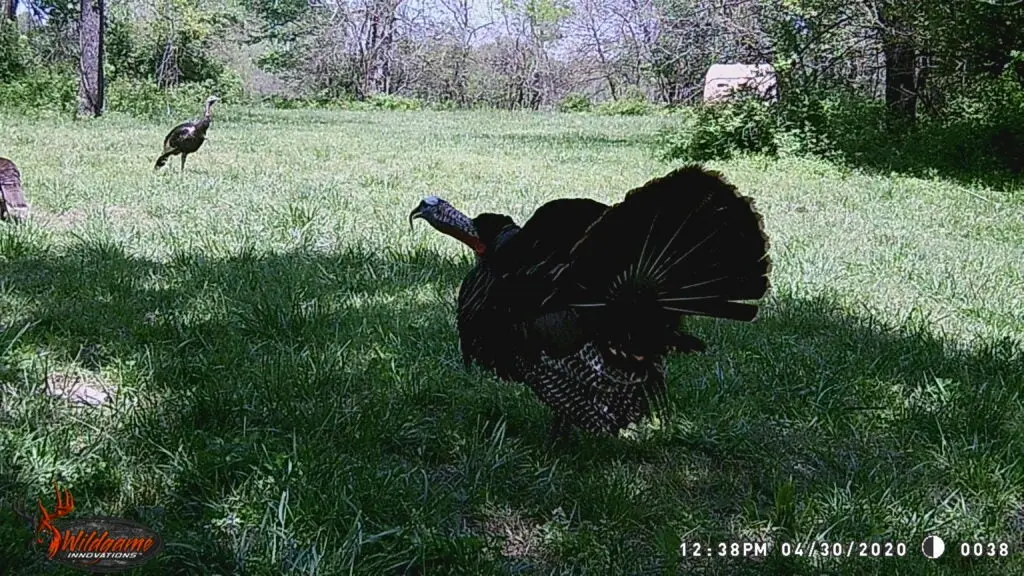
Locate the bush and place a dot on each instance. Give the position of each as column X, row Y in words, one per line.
column 145, row 98
column 831, row 124
column 228, row 86
column 574, row 103
column 720, row 130
column 634, row 106
column 834, row 124
column 44, row 89
column 979, row 133
column 281, row 102
column 444, row 106
column 15, row 56
column 393, row 102
column 984, row 129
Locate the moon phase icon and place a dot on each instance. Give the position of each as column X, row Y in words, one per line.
column 933, row 547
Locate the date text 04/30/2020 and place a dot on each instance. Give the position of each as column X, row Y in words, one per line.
column 762, row 549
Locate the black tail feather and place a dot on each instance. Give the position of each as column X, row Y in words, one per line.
column 683, row 343
column 684, row 244
column 162, row 160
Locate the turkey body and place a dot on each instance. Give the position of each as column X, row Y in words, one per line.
column 584, row 302
column 187, row 137
column 12, row 198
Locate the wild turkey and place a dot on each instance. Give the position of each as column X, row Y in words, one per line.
column 584, row 302
column 186, row 138
column 13, row 206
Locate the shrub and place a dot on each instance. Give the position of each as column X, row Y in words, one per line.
column 625, row 107
column 44, row 89
column 574, row 103
column 393, row 102
column 444, row 105
column 720, row 130
column 15, row 56
column 145, row 98
column 139, row 97
column 984, row 129
column 834, row 124
column 979, row 133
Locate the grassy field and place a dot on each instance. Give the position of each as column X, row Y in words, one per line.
column 290, row 400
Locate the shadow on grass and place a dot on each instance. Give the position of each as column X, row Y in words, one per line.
column 958, row 151
column 978, row 141
column 307, row 412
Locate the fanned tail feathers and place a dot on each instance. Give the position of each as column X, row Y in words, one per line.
column 684, row 244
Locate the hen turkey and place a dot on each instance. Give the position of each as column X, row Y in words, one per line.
column 187, row 137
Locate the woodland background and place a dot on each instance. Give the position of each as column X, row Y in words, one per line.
column 896, row 84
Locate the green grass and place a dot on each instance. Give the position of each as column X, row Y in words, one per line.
column 291, row 401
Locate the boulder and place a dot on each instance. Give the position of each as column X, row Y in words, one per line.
column 723, row 79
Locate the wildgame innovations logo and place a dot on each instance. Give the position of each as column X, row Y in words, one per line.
column 97, row 544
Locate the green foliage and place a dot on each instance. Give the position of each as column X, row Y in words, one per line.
column 546, row 11
column 277, row 60
column 15, row 57
column 575, row 102
column 176, row 45
column 979, row 132
column 145, row 98
column 393, row 102
column 51, row 89
column 539, row 11
column 34, row 76
column 56, row 89
column 140, row 97
column 833, row 124
column 983, row 130
column 720, row 130
column 280, row 102
column 277, row 15
column 444, row 105
column 625, row 107
column 390, row 102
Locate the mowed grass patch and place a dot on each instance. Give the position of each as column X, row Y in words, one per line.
column 290, row 398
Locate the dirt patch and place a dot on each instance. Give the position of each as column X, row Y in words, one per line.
column 83, row 389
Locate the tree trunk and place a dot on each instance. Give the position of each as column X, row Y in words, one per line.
column 900, row 68
column 900, row 84
column 90, row 67
column 10, row 9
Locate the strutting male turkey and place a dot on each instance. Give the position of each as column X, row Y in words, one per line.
column 584, row 301
column 13, row 206
column 187, row 137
